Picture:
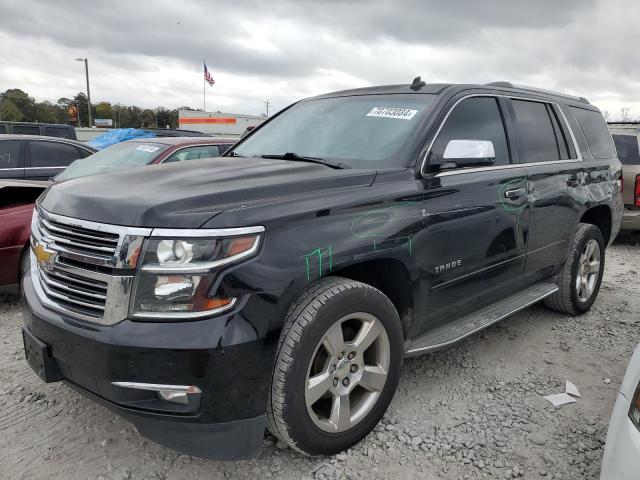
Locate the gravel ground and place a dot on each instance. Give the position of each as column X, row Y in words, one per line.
column 473, row 411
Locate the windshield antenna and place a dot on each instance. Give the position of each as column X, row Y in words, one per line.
column 417, row 84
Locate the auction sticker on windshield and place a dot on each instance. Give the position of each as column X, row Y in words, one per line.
column 392, row 112
column 147, row 148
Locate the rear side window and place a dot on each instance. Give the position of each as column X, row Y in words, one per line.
column 3, row 129
column 59, row 132
column 539, row 140
column 52, row 154
column 194, row 153
column 26, row 130
column 9, row 153
column 627, row 147
column 595, row 131
column 476, row 118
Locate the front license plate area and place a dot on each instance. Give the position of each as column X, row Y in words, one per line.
column 37, row 355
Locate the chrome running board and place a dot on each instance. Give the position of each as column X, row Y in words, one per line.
column 453, row 332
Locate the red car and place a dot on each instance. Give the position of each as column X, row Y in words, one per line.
column 16, row 205
column 147, row 151
column 17, row 197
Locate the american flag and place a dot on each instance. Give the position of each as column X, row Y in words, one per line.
column 207, row 76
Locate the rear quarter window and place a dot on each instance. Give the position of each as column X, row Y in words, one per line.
column 596, row 132
column 627, row 147
column 60, row 132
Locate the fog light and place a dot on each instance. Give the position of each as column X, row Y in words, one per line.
column 170, row 393
column 174, row 396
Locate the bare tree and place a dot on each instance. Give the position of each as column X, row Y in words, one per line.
column 624, row 114
column 606, row 114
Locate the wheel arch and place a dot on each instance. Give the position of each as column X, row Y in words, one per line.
column 390, row 276
column 602, row 217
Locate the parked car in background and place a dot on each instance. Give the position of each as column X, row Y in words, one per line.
column 282, row 284
column 48, row 129
column 147, row 151
column 16, row 206
column 625, row 137
column 621, row 460
column 38, row 158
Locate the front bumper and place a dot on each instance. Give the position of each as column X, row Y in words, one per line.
column 225, row 357
column 630, row 220
column 621, row 460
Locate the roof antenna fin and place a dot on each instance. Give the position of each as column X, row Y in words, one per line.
column 417, row 84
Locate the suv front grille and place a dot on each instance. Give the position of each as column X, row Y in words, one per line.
column 80, row 239
column 83, row 269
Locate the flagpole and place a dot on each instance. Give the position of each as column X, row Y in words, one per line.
column 204, row 89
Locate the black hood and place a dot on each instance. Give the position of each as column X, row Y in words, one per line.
column 187, row 194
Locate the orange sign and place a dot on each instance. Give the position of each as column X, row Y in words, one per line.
column 209, row 120
column 72, row 111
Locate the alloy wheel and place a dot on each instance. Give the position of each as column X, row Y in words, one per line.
column 347, row 372
column 588, row 270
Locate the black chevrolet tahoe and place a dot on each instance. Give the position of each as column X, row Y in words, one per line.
column 281, row 285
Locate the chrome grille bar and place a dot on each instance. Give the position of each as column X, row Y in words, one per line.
column 112, row 240
column 71, row 289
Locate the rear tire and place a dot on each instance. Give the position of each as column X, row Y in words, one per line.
column 580, row 278
column 337, row 366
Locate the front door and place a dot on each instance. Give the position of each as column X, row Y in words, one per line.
column 472, row 251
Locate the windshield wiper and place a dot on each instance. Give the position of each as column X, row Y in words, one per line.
column 304, row 158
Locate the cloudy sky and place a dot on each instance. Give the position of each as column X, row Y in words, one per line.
column 150, row 53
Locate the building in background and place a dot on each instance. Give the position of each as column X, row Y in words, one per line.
column 223, row 124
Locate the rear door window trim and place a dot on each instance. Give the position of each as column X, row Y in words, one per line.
column 499, row 167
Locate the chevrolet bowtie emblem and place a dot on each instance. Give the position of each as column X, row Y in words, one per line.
column 41, row 254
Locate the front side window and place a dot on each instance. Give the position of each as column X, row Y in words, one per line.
column 363, row 131
column 627, row 147
column 52, row 154
column 473, row 119
column 9, row 153
column 595, row 131
column 194, row 153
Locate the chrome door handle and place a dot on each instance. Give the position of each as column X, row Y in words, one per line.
column 515, row 193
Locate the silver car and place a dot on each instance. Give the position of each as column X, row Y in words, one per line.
column 622, row 451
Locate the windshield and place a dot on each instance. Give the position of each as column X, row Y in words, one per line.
column 358, row 131
column 116, row 157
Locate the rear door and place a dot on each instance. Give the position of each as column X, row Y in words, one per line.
column 472, row 251
column 555, row 173
column 46, row 159
column 12, row 158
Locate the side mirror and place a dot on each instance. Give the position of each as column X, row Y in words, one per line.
column 466, row 153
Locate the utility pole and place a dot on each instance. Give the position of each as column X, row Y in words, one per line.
column 266, row 104
column 86, row 71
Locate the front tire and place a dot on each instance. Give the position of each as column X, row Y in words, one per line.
column 337, row 366
column 580, row 278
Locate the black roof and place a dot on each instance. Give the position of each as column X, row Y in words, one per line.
column 11, row 136
column 437, row 88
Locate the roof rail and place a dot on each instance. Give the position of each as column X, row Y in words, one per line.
column 501, row 84
column 538, row 90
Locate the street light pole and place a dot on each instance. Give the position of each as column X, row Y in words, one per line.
column 86, row 72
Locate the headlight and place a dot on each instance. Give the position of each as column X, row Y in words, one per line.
column 177, row 274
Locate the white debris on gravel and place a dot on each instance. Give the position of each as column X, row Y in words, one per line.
column 474, row 411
